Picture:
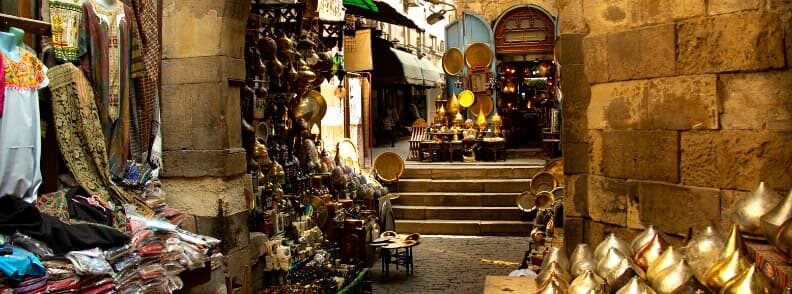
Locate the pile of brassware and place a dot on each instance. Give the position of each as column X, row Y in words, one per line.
column 651, row 264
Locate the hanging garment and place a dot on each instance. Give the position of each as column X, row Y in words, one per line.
column 65, row 17
column 147, row 98
column 17, row 215
column 2, row 86
column 20, row 129
column 79, row 134
column 20, row 264
column 111, row 59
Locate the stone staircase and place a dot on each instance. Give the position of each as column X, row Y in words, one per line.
column 464, row 199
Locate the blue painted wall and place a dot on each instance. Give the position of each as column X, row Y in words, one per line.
column 476, row 30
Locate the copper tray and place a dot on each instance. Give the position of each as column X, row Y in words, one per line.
column 389, row 166
column 478, row 55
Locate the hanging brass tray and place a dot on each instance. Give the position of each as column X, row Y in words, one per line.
column 478, row 55
column 453, row 61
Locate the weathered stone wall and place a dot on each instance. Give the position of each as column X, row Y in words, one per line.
column 490, row 10
column 673, row 110
column 204, row 163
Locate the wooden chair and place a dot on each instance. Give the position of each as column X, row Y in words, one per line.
column 418, row 135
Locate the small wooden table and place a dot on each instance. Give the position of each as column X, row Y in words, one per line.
column 510, row 285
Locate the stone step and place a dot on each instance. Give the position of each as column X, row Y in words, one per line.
column 437, row 172
column 465, row 227
column 465, row 185
column 506, row 213
column 456, row 199
column 524, row 153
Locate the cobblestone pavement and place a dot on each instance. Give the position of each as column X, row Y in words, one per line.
column 453, row 264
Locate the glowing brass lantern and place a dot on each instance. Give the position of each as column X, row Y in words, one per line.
column 497, row 122
column 481, row 121
column 453, row 104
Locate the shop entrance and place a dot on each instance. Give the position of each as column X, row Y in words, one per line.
column 524, row 41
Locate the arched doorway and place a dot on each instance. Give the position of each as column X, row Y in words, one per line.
column 524, row 38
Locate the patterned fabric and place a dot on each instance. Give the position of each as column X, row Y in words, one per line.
column 65, row 17
column 27, row 74
column 111, row 59
column 80, row 135
column 148, row 96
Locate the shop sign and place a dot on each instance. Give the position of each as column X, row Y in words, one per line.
column 330, row 10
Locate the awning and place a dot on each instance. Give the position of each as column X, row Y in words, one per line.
column 411, row 67
column 362, row 4
column 432, row 75
column 383, row 12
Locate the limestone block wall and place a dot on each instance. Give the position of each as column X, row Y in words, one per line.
column 204, row 162
column 673, row 110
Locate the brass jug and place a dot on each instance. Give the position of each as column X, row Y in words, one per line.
column 651, row 251
column 611, row 241
column 644, row 237
column 750, row 209
column 636, row 286
column 776, row 217
column 726, row 269
column 704, row 251
column 586, row 283
column 670, row 257
column 750, row 281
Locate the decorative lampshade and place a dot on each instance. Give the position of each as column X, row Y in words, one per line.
column 497, row 121
column 458, row 120
column 441, row 112
column 481, row 121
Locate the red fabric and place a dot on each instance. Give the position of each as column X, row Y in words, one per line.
column 2, row 85
column 98, row 289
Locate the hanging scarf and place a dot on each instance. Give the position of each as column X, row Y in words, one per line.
column 2, row 85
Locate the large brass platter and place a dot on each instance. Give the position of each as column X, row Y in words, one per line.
column 478, row 55
column 543, row 182
column 389, row 166
column 453, row 61
column 483, row 103
column 312, row 107
column 346, row 154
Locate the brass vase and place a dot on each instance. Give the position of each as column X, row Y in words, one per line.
column 750, row 281
column 678, row 279
column 670, row 257
column 553, row 269
column 453, row 105
column 749, row 210
column 783, row 238
column 651, row 251
column 556, row 254
column 776, row 217
column 644, row 237
column 582, row 259
column 636, row 286
column 726, row 269
column 611, row 241
column 586, row 283
column 704, row 250
column 733, row 243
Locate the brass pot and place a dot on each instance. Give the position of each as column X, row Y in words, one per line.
column 582, row 259
column 558, row 255
column 558, row 282
column 678, row 279
column 670, row 257
column 651, row 251
column 783, row 238
column 749, row 210
column 611, row 241
column 776, row 217
column 733, row 243
column 726, row 269
column 750, row 281
column 644, row 237
column 553, row 268
column 586, row 283
column 704, row 251
column 636, row 286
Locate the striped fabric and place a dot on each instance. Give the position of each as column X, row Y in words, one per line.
column 147, row 91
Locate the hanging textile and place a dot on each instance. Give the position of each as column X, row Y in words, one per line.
column 80, row 135
column 147, row 92
column 65, row 17
column 2, row 86
column 20, row 128
column 111, row 59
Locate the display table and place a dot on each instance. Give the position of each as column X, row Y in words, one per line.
column 512, row 285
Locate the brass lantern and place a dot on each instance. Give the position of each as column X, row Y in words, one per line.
column 497, row 122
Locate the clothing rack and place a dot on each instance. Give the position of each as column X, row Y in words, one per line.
column 31, row 26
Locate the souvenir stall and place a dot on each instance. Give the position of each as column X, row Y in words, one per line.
column 317, row 207
column 106, row 228
column 752, row 258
